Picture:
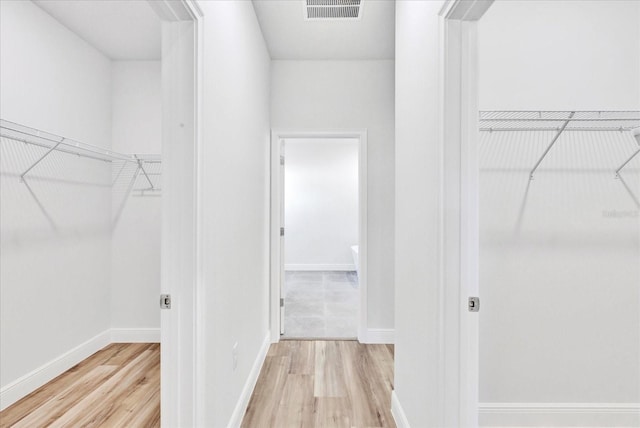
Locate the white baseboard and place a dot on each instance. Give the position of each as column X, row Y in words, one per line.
column 28, row 383
column 135, row 335
column 559, row 414
column 398, row 412
column 320, row 267
column 250, row 384
column 378, row 336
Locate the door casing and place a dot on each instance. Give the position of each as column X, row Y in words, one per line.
column 181, row 266
column 277, row 198
column 459, row 241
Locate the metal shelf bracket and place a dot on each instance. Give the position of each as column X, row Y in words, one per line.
column 144, row 172
column 40, row 159
column 626, row 162
column 560, row 131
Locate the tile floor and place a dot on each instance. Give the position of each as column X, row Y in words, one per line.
column 321, row 305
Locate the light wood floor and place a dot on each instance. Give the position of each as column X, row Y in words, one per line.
column 331, row 384
column 118, row 386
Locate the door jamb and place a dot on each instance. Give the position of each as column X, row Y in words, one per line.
column 181, row 327
column 276, row 136
column 459, row 243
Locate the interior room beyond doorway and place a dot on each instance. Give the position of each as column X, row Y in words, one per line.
column 321, row 218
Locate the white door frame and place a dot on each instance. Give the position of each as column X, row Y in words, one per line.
column 460, row 228
column 181, row 335
column 276, row 203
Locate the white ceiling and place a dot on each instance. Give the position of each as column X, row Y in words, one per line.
column 121, row 29
column 290, row 36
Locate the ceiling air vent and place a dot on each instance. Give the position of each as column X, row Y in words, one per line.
column 332, row 9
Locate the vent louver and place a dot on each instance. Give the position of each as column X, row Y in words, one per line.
column 332, row 9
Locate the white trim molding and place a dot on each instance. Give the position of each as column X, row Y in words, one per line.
column 346, row 267
column 397, row 412
column 382, row 336
column 458, row 382
column 560, row 414
column 181, row 397
column 250, row 384
column 33, row 380
column 276, row 265
column 135, row 335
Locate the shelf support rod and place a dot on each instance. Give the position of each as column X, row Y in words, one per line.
column 40, row 160
column 626, row 162
column 115, row 180
column 560, row 131
column 140, row 165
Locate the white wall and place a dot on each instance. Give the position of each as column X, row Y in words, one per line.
column 321, row 203
column 235, row 201
column 560, row 55
column 350, row 95
column 417, row 220
column 560, row 268
column 55, row 255
column 135, row 246
column 563, row 271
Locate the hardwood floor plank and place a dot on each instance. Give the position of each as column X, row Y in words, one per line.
column 329, row 373
column 137, row 409
column 296, row 404
column 124, row 353
column 332, row 412
column 92, row 410
column 332, row 384
column 47, row 392
column 265, row 399
column 280, row 349
column 303, row 355
column 369, row 410
column 53, row 409
column 119, row 386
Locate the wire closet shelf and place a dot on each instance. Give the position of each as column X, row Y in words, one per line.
column 51, row 142
column 560, row 122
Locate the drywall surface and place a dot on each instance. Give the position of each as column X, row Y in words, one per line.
column 55, row 227
column 417, row 193
column 350, row 95
column 560, row 55
column 559, row 260
column 559, row 254
column 235, row 201
column 135, row 246
column 321, row 203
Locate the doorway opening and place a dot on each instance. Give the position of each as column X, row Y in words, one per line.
column 85, row 176
column 552, row 229
column 318, row 281
column 320, row 286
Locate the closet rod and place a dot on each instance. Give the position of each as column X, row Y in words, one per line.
column 540, row 120
column 559, row 114
column 556, row 128
column 559, row 119
column 564, row 125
